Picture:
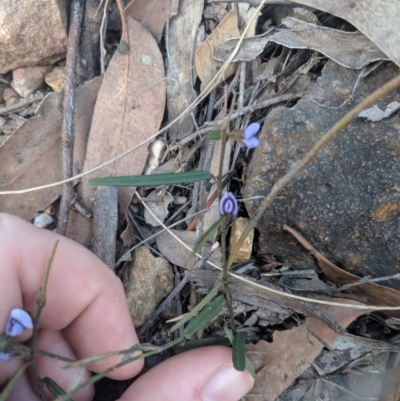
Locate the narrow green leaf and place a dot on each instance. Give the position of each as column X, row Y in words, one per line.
column 12, row 382
column 249, row 366
column 198, row 307
column 151, row 180
column 239, row 352
column 203, row 319
column 201, row 342
column 207, row 235
column 215, row 134
column 55, row 389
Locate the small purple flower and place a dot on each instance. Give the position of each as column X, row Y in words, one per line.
column 250, row 140
column 228, row 204
column 17, row 322
column 4, row 356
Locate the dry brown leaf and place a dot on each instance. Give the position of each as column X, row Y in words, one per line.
column 180, row 80
column 152, row 14
column 379, row 20
column 378, row 294
column 350, row 49
column 129, row 109
column 32, row 155
column 279, row 363
column 206, row 66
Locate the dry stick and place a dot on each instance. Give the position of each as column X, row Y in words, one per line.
column 21, row 104
column 288, row 178
column 68, row 127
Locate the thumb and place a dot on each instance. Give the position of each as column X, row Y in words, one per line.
column 204, row 374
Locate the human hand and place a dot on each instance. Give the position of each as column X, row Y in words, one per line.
column 86, row 315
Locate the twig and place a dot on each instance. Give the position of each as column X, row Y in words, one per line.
column 68, row 127
column 368, row 279
column 21, row 104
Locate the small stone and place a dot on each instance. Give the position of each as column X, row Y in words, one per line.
column 10, row 96
column 42, row 220
column 244, row 253
column 56, row 79
column 149, row 281
column 26, row 80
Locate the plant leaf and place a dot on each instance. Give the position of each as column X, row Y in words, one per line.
column 239, row 352
column 55, row 389
column 203, row 319
column 201, row 342
column 151, row 180
column 198, row 307
column 215, row 134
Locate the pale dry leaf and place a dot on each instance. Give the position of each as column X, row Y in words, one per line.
column 350, row 49
column 32, row 155
column 279, row 363
column 129, row 109
column 180, row 80
column 374, row 113
column 176, row 253
column 158, row 202
column 152, row 14
column 245, row 14
column 206, row 66
column 379, row 20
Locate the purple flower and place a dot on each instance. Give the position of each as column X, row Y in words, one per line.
column 250, row 140
column 4, row 356
column 17, row 322
column 228, row 204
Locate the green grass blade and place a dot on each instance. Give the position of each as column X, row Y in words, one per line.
column 198, row 307
column 203, row 319
column 151, row 180
column 201, row 342
column 239, row 352
column 207, row 235
column 55, row 389
column 215, row 134
column 12, row 382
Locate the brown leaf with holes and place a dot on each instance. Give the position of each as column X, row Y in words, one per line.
column 206, row 66
column 129, row 110
column 152, row 14
column 32, row 155
column 279, row 363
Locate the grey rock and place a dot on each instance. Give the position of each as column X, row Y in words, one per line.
column 346, row 203
column 149, row 281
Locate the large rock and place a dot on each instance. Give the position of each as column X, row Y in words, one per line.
column 32, row 33
column 347, row 201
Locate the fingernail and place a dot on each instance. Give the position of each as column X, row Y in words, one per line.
column 227, row 384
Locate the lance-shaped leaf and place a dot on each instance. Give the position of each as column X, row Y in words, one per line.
column 207, row 235
column 203, row 319
column 55, row 389
column 215, row 134
column 239, row 352
column 151, row 180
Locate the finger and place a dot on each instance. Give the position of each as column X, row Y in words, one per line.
column 54, row 342
column 83, row 294
column 204, row 374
